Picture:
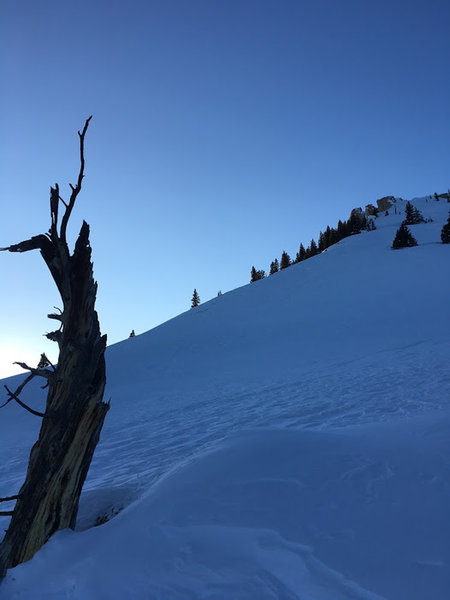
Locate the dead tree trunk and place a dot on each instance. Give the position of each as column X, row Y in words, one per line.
column 75, row 411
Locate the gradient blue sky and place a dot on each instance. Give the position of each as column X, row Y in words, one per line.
column 224, row 132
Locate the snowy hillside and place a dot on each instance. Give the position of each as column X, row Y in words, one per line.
column 287, row 440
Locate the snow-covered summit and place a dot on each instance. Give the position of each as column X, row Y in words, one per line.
column 288, row 439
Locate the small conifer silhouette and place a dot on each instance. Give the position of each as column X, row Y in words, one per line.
column 274, row 267
column 403, row 238
column 445, row 232
column 195, row 299
column 285, row 260
column 413, row 216
column 301, row 254
column 256, row 275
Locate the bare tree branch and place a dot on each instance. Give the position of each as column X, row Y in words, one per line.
column 6, row 513
column 25, row 382
column 45, row 362
column 14, row 396
column 37, row 242
column 57, row 316
column 54, row 336
column 75, row 189
column 54, row 205
column 8, row 498
column 39, row 372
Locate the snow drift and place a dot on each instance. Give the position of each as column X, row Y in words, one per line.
column 288, row 439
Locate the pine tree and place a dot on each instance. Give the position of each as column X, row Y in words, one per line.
column 195, row 299
column 413, row 216
column 301, row 254
column 328, row 238
column 357, row 221
column 403, row 238
column 322, row 243
column 342, row 230
column 445, row 233
column 132, row 334
column 274, row 267
column 285, row 260
column 333, row 237
column 219, row 293
column 313, row 250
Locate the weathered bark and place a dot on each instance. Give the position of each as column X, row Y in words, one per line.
column 75, row 411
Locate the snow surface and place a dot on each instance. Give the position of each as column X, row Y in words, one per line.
column 289, row 439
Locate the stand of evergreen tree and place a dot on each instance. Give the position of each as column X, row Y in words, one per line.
column 256, row 275
column 355, row 224
column 195, row 299
column 403, row 238
column 342, row 230
column 445, row 232
column 328, row 238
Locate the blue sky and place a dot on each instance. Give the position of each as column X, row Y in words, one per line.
column 223, row 133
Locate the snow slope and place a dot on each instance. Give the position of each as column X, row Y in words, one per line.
column 289, row 439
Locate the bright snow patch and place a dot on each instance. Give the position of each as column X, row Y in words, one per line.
column 288, row 439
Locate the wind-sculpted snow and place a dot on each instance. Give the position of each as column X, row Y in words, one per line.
column 365, row 391
column 288, row 439
column 273, row 514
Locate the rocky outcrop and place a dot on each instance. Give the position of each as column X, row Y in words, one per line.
column 385, row 203
column 370, row 210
